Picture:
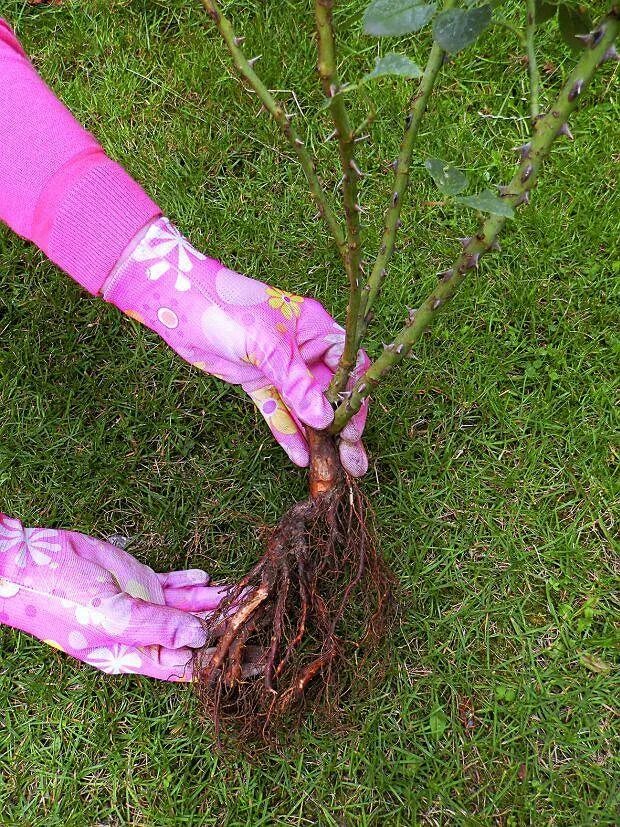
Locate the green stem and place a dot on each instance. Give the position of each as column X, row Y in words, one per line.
column 245, row 68
column 546, row 130
column 323, row 11
column 417, row 109
column 532, row 65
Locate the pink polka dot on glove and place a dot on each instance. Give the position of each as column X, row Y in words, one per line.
column 281, row 348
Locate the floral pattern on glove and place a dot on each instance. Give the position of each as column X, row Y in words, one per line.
column 36, row 545
column 116, row 660
column 164, row 245
column 286, row 303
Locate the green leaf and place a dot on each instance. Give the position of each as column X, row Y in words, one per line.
column 573, row 21
column 485, row 201
column 450, row 180
column 438, row 723
column 544, row 11
column 396, row 17
column 594, row 664
column 455, row 29
column 505, row 693
column 391, row 64
column 394, row 64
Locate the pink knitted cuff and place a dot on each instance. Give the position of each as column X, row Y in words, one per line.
column 89, row 213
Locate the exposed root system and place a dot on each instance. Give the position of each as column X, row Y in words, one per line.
column 320, row 593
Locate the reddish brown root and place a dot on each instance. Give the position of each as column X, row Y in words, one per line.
column 320, row 593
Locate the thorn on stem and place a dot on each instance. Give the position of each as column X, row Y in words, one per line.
column 436, row 304
column 575, row 90
column 524, row 150
column 333, row 90
column 610, row 54
column 298, row 142
column 586, row 39
column 411, row 311
column 472, row 261
column 394, row 164
column 395, row 199
column 445, row 274
column 524, row 198
column 332, row 135
column 527, row 173
column 591, row 39
column 495, row 246
column 464, row 241
column 565, row 130
column 238, row 41
column 253, row 60
column 355, row 168
column 400, row 349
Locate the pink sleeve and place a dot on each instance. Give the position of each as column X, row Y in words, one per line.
column 57, row 186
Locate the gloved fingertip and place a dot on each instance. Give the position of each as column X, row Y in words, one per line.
column 196, row 598
column 317, row 412
column 353, row 457
column 297, row 454
column 353, row 430
column 185, row 577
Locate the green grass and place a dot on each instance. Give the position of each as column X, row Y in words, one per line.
column 492, row 453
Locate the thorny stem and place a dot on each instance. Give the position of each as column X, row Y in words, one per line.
column 533, row 154
column 401, row 180
column 323, row 12
column 532, row 65
column 245, row 68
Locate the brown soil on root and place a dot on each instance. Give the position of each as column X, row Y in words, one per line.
column 318, row 599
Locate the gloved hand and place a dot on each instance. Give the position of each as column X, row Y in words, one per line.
column 60, row 190
column 282, row 349
column 95, row 602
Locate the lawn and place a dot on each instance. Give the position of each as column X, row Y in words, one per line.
column 492, row 453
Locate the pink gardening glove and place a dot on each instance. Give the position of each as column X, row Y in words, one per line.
column 97, row 603
column 282, row 349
